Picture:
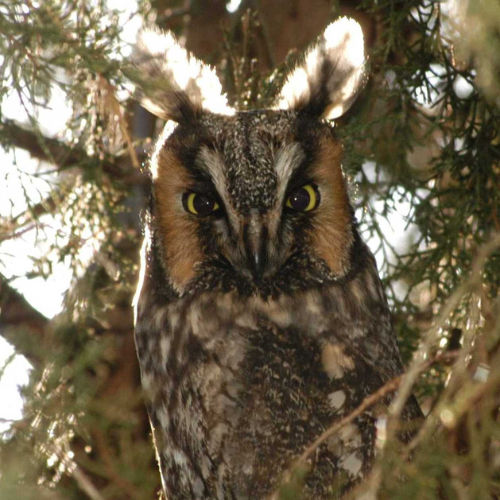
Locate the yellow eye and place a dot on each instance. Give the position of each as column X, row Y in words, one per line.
column 304, row 199
column 199, row 204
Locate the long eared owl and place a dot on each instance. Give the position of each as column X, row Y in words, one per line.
column 260, row 316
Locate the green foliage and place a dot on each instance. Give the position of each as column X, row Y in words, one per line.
column 435, row 146
column 422, row 139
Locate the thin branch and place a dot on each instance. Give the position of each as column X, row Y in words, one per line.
column 62, row 155
column 86, row 485
column 104, row 450
column 368, row 402
column 113, row 109
column 74, row 470
column 4, row 236
column 20, row 323
column 16, row 226
column 432, row 336
column 428, row 343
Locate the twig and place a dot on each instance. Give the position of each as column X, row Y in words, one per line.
column 114, row 109
column 21, row 323
column 86, row 484
column 82, row 480
column 369, row 401
column 467, row 402
column 431, row 338
column 65, row 156
column 16, row 234
column 122, row 482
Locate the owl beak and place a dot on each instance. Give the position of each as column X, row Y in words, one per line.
column 254, row 240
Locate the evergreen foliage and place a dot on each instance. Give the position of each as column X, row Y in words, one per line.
column 421, row 146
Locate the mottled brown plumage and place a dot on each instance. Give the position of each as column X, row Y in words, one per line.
column 260, row 317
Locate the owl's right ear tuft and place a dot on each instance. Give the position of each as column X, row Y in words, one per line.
column 329, row 78
column 174, row 85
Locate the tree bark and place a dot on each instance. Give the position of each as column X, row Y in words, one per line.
column 20, row 323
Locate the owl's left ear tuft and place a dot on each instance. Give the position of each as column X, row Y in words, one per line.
column 174, row 85
column 331, row 75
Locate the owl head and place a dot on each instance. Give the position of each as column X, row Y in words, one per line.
column 253, row 200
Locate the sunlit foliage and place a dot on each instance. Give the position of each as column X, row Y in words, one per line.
column 422, row 152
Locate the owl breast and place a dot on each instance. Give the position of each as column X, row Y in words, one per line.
column 238, row 387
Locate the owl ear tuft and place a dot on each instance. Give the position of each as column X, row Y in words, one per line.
column 174, row 85
column 329, row 78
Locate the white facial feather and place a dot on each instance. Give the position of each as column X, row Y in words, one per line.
column 288, row 159
column 214, row 163
column 331, row 75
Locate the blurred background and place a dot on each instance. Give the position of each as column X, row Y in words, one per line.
column 422, row 157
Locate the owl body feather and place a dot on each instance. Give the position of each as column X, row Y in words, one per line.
column 260, row 317
column 239, row 386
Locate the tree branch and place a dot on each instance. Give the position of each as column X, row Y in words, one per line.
column 15, row 226
column 20, row 323
column 64, row 156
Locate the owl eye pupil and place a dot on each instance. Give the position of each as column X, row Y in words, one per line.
column 199, row 204
column 203, row 205
column 304, row 199
column 300, row 199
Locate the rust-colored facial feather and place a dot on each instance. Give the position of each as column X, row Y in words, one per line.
column 331, row 233
column 177, row 228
